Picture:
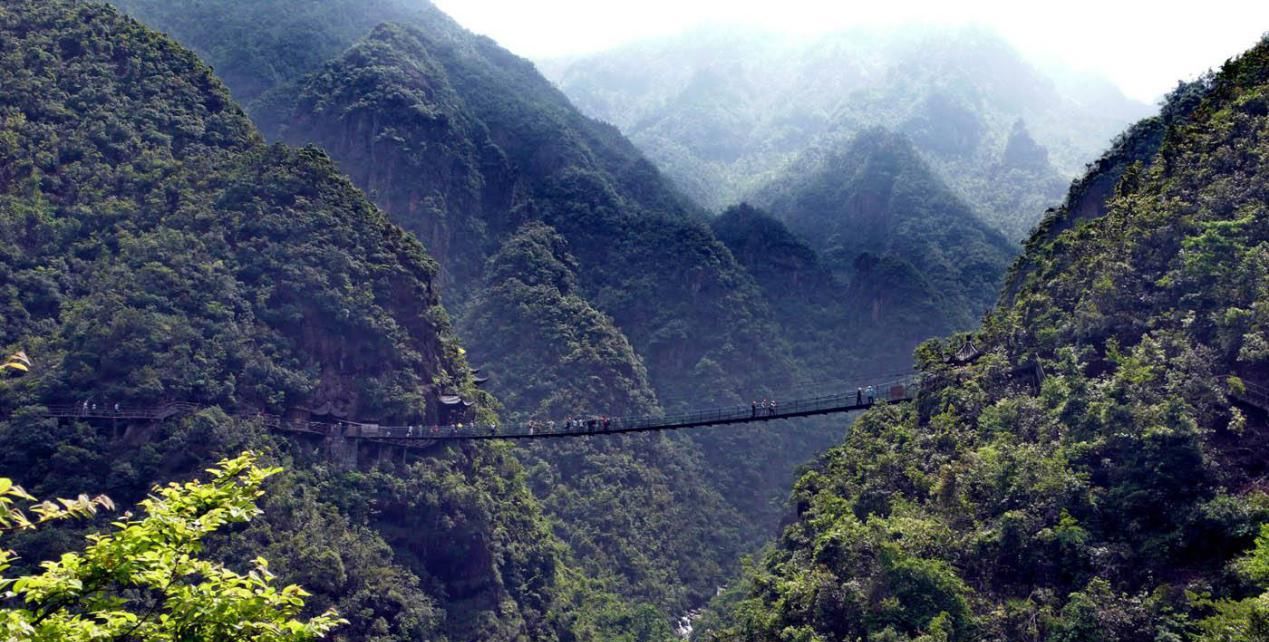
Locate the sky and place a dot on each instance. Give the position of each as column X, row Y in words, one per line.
column 1143, row 47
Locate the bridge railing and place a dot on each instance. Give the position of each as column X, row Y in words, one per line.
column 898, row 389
column 108, row 411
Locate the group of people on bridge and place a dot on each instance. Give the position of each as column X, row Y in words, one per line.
column 764, row 408
column 91, row 407
column 533, row 427
column 869, row 394
column 572, row 424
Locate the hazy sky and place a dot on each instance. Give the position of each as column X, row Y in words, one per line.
column 1144, row 47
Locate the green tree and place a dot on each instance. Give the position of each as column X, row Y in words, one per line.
column 1244, row 620
column 145, row 581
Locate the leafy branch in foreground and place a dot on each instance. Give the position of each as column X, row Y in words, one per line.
column 144, row 581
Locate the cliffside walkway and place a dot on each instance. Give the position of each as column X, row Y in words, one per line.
column 849, row 400
column 1252, row 394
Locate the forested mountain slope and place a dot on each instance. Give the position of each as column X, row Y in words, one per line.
column 157, row 250
column 838, row 326
column 639, row 509
column 723, row 112
column 1117, row 494
column 466, row 146
column 693, row 316
column 875, row 196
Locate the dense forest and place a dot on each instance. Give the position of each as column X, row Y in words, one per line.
column 158, row 250
column 378, row 208
column 1114, row 493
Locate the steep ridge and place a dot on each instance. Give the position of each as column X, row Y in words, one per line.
column 875, row 196
column 722, row 112
column 156, row 249
column 557, row 167
column 1116, row 492
column 288, row 40
column 692, row 314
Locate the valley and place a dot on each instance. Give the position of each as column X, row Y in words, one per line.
column 885, row 334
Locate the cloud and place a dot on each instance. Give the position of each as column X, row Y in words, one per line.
column 1144, row 47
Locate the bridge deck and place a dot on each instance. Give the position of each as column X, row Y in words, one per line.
column 889, row 392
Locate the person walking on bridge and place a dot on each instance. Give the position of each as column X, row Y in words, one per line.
column 872, row 395
column 859, row 396
column 753, row 409
column 772, row 410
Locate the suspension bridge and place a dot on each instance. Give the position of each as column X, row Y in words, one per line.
column 847, row 399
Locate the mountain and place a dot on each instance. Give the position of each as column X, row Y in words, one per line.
column 875, row 196
column 467, row 147
column 725, row 111
column 289, row 40
column 1094, row 471
column 157, row 250
column 839, row 328
column 864, row 254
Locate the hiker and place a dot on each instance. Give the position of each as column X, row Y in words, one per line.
column 753, row 407
column 774, row 405
column 859, row 396
column 85, row 408
column 116, row 407
column 872, row 395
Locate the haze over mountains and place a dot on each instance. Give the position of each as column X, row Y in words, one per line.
column 725, row 112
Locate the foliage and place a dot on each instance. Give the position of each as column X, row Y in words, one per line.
column 146, row 581
column 1247, row 619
